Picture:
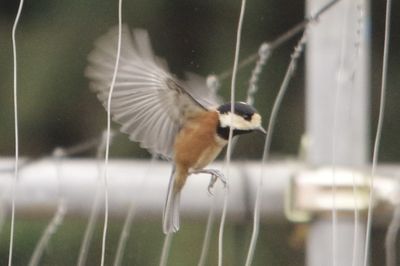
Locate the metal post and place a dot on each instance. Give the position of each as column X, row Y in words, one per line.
column 329, row 89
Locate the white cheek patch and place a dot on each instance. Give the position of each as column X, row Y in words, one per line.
column 238, row 122
column 256, row 120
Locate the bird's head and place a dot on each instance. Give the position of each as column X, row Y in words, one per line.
column 244, row 119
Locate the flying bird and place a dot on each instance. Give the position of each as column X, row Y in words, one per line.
column 179, row 120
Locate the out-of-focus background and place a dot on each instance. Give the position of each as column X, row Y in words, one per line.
column 57, row 109
column 54, row 38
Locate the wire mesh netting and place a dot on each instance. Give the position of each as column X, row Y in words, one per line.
column 59, row 193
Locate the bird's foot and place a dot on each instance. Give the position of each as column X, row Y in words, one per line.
column 215, row 175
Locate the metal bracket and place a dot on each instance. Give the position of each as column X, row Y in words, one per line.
column 310, row 192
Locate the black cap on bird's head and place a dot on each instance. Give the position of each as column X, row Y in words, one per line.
column 244, row 119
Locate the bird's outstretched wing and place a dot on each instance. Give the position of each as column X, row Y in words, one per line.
column 150, row 103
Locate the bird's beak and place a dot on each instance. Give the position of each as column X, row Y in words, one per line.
column 262, row 130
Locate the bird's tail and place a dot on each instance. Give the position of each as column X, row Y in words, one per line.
column 171, row 208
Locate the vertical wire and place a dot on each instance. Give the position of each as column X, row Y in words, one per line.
column 124, row 235
column 229, row 148
column 58, row 217
column 272, row 121
column 391, row 236
column 129, row 219
column 341, row 76
column 14, row 181
column 356, row 223
column 103, row 244
column 207, row 236
column 340, row 80
column 338, row 87
column 165, row 250
column 360, row 27
column 299, row 27
column 2, row 214
column 378, row 129
column 94, row 213
column 264, row 52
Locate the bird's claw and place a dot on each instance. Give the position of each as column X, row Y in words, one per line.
column 215, row 175
column 213, row 179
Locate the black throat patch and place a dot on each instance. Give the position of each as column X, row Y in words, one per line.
column 223, row 132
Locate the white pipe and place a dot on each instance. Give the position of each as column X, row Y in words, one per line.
column 38, row 186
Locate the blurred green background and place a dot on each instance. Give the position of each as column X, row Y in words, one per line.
column 56, row 107
column 145, row 243
column 54, row 37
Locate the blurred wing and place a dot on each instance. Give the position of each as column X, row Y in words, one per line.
column 197, row 87
column 149, row 103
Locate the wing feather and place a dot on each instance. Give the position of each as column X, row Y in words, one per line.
column 148, row 102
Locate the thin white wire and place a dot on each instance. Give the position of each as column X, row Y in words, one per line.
column 2, row 215
column 264, row 52
column 128, row 221
column 391, row 236
column 58, row 216
column 338, row 87
column 357, row 44
column 94, row 212
column 272, row 121
column 165, row 249
column 229, row 148
column 124, row 235
column 14, row 181
column 103, row 245
column 207, row 235
column 54, row 224
column 378, row 129
column 213, row 83
column 210, row 222
column 356, row 224
column 352, row 73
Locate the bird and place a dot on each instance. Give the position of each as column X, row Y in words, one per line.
column 179, row 120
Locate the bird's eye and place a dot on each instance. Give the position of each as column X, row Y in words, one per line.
column 247, row 117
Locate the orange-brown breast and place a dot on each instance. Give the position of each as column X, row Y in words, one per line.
column 197, row 144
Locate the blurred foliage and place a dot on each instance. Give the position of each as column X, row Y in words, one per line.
column 275, row 244
column 54, row 37
column 145, row 242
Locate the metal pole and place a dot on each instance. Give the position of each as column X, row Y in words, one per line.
column 145, row 184
column 336, row 82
